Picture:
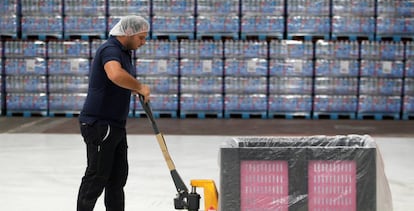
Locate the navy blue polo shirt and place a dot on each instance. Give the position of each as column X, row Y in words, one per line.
column 106, row 102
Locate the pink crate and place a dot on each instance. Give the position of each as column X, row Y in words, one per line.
column 264, row 185
column 332, row 185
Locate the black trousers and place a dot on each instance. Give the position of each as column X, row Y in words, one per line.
column 107, row 167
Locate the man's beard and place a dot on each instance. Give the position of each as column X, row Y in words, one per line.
column 130, row 45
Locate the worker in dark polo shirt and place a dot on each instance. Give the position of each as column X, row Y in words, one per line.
column 104, row 115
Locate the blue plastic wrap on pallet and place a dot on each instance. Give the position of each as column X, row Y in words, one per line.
column 409, row 68
column 24, row 49
column 336, row 85
column 29, row 66
column 392, row 50
column 85, row 7
column 201, row 49
column 134, row 7
column 245, row 67
column 161, row 84
column 290, row 103
column 379, row 104
column 245, row 85
column 333, row 68
column 380, row 86
column 85, row 26
column 9, row 7
column 201, row 67
column 207, row 25
column 374, row 68
column 26, row 102
column 9, row 25
column 72, row 66
column 308, row 7
column 353, row 7
column 160, row 102
column 263, row 7
column 27, row 83
column 308, row 25
column 201, row 84
column 335, row 103
column 173, row 7
column 408, row 105
column 291, row 49
column 259, row 24
column 162, row 67
column 179, row 24
column 218, row 7
column 64, row 49
column 39, row 8
column 384, row 50
column 68, row 84
column 201, row 102
column 353, row 25
column 409, row 86
column 66, row 102
column 337, row 49
column 245, row 102
column 395, row 27
column 158, row 49
column 409, row 50
column 396, row 8
column 290, row 67
column 245, row 49
column 291, row 85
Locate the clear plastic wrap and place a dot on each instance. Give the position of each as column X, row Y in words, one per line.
column 303, row 173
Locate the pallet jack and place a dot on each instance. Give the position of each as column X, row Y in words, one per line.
column 184, row 200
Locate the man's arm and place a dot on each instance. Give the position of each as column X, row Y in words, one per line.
column 122, row 78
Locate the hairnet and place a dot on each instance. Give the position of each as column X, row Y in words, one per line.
column 130, row 25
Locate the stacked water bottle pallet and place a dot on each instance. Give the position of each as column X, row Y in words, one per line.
column 395, row 20
column 25, row 73
column 380, row 88
column 245, row 78
column 201, row 81
column 217, row 19
column 308, row 19
column 157, row 64
column 336, row 79
column 353, row 19
column 84, row 19
column 68, row 66
column 173, row 19
column 9, row 18
column 290, row 79
column 262, row 19
column 408, row 104
column 42, row 20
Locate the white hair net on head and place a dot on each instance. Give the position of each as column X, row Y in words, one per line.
column 130, row 25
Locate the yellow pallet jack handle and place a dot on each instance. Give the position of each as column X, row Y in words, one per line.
column 210, row 193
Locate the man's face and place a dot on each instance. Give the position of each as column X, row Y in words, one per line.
column 136, row 41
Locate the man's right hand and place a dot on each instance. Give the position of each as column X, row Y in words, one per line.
column 144, row 91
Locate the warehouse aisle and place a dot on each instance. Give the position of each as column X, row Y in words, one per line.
column 43, row 171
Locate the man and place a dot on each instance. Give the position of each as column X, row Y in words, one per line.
column 103, row 117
